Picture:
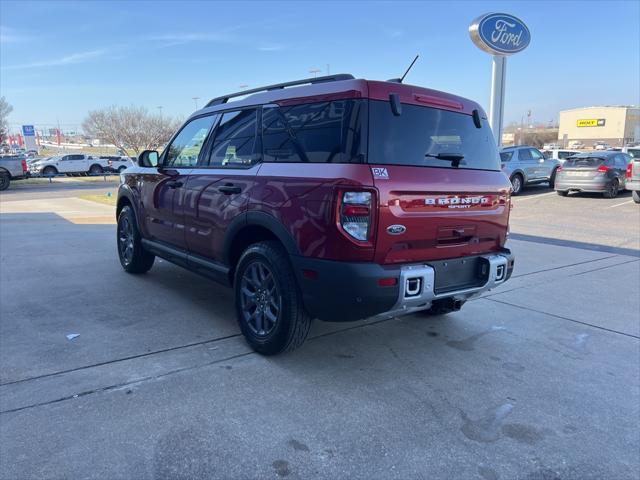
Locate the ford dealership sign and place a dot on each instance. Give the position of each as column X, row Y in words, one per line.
column 499, row 34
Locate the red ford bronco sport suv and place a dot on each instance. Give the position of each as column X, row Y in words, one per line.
column 333, row 198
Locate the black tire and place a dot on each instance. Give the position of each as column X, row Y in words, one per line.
column 562, row 193
column 552, row 180
column 95, row 169
column 122, row 169
column 5, row 180
column 269, row 305
column 635, row 195
column 517, row 182
column 612, row 189
column 49, row 171
column 133, row 257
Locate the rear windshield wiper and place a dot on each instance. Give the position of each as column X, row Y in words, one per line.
column 454, row 158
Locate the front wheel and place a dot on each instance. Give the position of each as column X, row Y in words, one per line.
column 269, row 306
column 133, row 257
column 636, row 196
column 49, row 171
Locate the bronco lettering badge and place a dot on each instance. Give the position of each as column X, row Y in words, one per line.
column 458, row 202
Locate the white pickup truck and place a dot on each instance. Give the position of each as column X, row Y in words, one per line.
column 70, row 164
column 12, row 167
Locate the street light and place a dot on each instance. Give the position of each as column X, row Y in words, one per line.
column 195, row 99
column 315, row 72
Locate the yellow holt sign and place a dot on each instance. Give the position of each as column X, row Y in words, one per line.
column 591, row 122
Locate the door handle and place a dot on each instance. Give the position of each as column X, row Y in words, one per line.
column 174, row 184
column 229, row 189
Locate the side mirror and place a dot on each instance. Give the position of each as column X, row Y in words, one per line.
column 148, row 158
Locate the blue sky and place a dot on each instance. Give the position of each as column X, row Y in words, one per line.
column 60, row 59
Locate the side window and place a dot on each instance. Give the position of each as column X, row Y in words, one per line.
column 506, row 156
column 235, row 142
column 536, row 155
column 326, row 132
column 185, row 148
column 524, row 154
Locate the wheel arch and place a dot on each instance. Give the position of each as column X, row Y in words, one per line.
column 251, row 228
column 4, row 170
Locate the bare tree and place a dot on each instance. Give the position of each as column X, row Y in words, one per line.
column 129, row 128
column 5, row 110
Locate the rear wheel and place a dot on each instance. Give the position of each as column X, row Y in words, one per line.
column 636, row 196
column 5, row 180
column 133, row 257
column 269, row 304
column 95, row 169
column 516, row 184
column 562, row 193
column 612, row 189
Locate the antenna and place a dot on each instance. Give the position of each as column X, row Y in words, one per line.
column 399, row 80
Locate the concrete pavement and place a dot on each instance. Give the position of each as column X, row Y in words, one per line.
column 536, row 380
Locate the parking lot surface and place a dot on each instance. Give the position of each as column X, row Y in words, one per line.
column 539, row 379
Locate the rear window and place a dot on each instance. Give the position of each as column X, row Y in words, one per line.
column 506, row 156
column 407, row 138
column 584, row 162
column 634, row 152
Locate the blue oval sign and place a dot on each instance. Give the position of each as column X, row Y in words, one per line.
column 499, row 34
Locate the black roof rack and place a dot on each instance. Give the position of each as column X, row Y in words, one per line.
column 278, row 86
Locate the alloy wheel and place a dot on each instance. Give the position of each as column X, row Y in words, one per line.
column 260, row 299
column 125, row 240
column 516, row 183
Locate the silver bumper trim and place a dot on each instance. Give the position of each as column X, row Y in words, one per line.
column 417, row 283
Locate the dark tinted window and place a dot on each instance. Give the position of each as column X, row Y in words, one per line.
column 524, row 155
column 185, row 148
column 326, row 132
column 584, row 162
column 407, row 138
column 564, row 155
column 506, row 156
column 235, row 141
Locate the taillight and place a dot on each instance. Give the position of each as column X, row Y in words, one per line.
column 629, row 169
column 559, row 169
column 603, row 169
column 24, row 165
column 356, row 214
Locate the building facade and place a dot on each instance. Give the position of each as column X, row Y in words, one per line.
column 617, row 126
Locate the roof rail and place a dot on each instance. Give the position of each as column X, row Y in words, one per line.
column 278, row 86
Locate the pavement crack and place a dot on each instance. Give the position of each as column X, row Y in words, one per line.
column 562, row 318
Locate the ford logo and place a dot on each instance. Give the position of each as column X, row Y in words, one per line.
column 499, row 34
column 396, row 229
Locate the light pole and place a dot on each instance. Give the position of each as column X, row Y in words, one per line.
column 195, row 99
column 315, row 72
column 159, row 107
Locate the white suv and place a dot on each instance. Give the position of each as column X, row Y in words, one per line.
column 77, row 163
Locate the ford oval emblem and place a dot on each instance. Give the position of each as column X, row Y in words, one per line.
column 396, row 229
column 499, row 34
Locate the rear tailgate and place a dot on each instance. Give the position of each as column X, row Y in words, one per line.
column 440, row 213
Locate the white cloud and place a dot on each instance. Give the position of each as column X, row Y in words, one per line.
column 271, row 48
column 72, row 59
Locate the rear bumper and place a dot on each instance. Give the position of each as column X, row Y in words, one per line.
column 340, row 291
column 632, row 185
column 591, row 185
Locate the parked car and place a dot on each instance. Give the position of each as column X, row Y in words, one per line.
column 602, row 172
column 559, row 154
column 12, row 167
column 117, row 163
column 632, row 177
column 332, row 198
column 551, row 146
column 634, row 151
column 576, row 144
column 525, row 165
column 69, row 164
column 600, row 146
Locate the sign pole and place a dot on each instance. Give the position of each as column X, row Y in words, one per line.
column 496, row 107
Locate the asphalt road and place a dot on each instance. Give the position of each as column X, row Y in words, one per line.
column 539, row 379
